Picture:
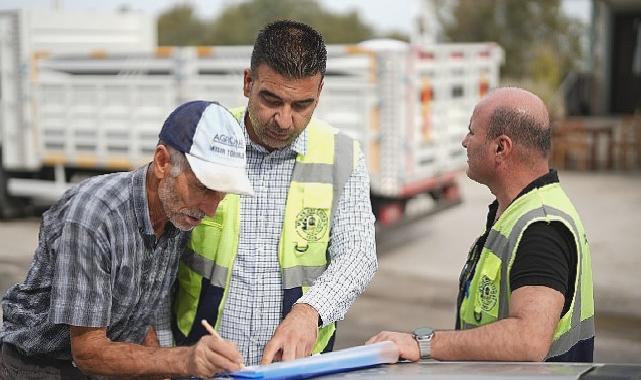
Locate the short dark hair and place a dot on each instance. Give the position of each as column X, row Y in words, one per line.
column 522, row 128
column 291, row 48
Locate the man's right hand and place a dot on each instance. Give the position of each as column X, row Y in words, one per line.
column 407, row 345
column 95, row 354
column 212, row 355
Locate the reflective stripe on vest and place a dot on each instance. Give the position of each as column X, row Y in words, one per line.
column 318, row 180
column 489, row 294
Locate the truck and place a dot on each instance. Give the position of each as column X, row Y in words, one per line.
column 92, row 100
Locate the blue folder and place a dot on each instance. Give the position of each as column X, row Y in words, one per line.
column 339, row 361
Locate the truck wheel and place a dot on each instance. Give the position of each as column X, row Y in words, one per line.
column 388, row 211
column 448, row 193
column 451, row 193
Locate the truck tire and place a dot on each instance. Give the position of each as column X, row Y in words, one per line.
column 448, row 193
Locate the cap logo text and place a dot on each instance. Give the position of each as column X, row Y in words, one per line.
column 228, row 140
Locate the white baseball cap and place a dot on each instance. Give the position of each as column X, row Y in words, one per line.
column 213, row 143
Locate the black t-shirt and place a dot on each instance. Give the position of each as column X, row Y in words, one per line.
column 546, row 256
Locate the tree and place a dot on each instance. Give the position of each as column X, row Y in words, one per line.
column 180, row 27
column 541, row 43
column 238, row 25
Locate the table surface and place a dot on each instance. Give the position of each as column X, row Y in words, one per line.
column 489, row 370
column 467, row 370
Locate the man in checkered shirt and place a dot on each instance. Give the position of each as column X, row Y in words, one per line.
column 283, row 86
column 107, row 256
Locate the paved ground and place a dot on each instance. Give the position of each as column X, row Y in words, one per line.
column 420, row 262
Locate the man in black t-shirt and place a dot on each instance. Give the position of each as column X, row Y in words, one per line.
column 526, row 289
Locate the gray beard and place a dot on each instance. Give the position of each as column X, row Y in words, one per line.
column 168, row 199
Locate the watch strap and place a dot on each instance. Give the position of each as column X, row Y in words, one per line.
column 425, row 347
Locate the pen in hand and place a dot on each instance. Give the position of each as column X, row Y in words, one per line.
column 210, row 329
column 215, row 334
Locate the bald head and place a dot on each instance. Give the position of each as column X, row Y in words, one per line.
column 521, row 115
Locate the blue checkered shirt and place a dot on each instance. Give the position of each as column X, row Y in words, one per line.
column 97, row 264
column 254, row 304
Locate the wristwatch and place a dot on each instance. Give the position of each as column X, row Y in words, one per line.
column 423, row 336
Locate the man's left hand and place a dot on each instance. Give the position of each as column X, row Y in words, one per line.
column 294, row 337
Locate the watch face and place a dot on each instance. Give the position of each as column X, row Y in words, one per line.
column 423, row 331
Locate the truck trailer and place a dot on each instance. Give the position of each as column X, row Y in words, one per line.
column 87, row 98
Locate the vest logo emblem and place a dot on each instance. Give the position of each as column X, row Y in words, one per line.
column 488, row 294
column 311, row 223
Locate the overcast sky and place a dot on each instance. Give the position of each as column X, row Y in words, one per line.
column 383, row 15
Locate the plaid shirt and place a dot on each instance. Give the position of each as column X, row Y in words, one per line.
column 253, row 307
column 97, row 264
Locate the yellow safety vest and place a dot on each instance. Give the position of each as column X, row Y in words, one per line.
column 204, row 274
column 488, row 296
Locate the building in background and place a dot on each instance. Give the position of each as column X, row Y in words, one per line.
column 612, row 83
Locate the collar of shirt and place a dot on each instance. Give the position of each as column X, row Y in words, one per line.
column 299, row 146
column 546, row 179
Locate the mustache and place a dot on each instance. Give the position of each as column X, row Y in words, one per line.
column 273, row 127
column 194, row 213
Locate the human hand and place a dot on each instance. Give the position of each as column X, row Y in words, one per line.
column 295, row 337
column 212, row 355
column 407, row 345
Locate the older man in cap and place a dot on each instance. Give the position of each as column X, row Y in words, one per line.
column 108, row 254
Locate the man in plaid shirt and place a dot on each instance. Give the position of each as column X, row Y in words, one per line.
column 107, row 256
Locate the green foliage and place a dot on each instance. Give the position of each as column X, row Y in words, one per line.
column 545, row 66
column 541, row 43
column 239, row 24
column 180, row 27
